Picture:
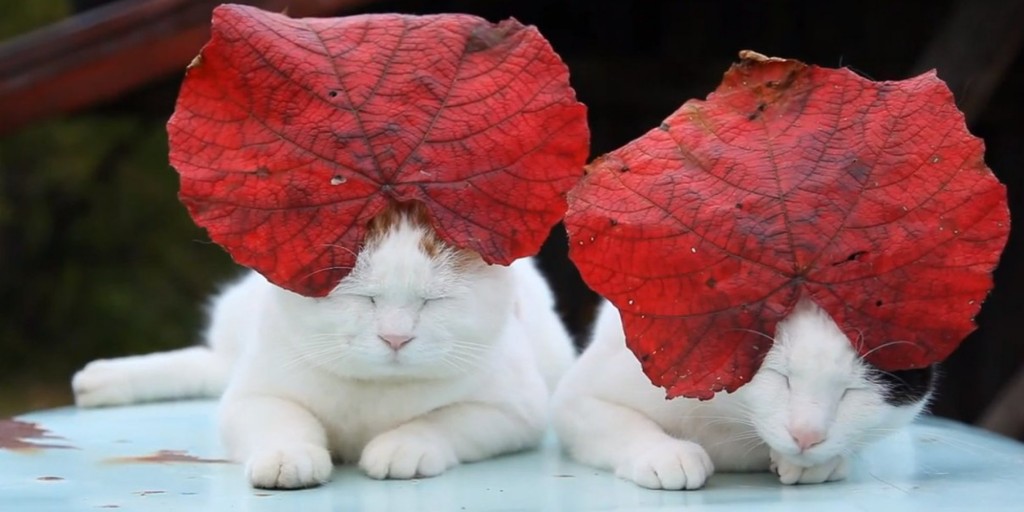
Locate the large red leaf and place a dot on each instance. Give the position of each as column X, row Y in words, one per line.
column 290, row 134
column 871, row 198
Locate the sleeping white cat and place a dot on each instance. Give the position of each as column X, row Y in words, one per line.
column 809, row 408
column 423, row 357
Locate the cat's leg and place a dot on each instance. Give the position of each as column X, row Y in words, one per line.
column 462, row 432
column 789, row 473
column 193, row 372
column 281, row 443
column 611, row 436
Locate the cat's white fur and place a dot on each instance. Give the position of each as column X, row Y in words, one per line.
column 811, row 387
column 316, row 379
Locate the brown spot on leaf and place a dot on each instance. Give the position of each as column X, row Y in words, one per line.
column 166, row 456
column 16, row 434
column 758, row 111
column 487, row 35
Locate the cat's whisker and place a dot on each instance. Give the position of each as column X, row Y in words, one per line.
column 325, row 356
column 451, row 365
column 754, row 446
column 461, row 365
column 326, row 269
column 465, row 359
column 750, row 434
column 752, row 331
column 343, row 248
column 471, row 347
column 864, row 356
column 744, row 437
column 324, row 335
column 859, row 342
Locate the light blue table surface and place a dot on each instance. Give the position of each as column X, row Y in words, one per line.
column 935, row 465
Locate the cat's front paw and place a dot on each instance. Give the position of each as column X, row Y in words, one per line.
column 289, row 467
column 407, row 453
column 103, row 382
column 671, row 465
column 789, row 473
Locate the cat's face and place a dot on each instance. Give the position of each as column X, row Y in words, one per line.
column 814, row 398
column 411, row 308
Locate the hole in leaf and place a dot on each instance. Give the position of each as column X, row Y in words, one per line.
column 757, row 113
column 852, row 257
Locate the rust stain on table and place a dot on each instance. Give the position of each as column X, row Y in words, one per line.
column 16, row 434
column 166, row 456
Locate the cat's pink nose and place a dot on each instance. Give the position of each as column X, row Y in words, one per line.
column 807, row 437
column 395, row 341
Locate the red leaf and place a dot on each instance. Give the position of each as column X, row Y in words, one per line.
column 291, row 134
column 871, row 198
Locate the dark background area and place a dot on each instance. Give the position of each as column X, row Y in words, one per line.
column 98, row 259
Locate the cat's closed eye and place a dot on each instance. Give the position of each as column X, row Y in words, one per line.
column 372, row 299
column 778, row 373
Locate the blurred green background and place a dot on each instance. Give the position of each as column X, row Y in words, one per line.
column 97, row 255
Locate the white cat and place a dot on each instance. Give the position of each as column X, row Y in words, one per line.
column 812, row 405
column 423, row 357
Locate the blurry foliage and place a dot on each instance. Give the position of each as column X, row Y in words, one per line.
column 21, row 16
column 99, row 257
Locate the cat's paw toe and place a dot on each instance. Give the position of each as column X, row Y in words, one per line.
column 404, row 454
column 101, row 383
column 289, row 467
column 791, row 474
column 672, row 465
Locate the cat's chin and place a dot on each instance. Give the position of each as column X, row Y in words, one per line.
column 397, row 373
column 396, row 378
